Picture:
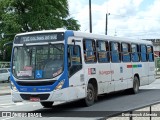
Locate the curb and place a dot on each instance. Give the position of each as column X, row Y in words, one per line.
column 1, row 94
column 5, row 88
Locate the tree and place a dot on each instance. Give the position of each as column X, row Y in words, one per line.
column 32, row 15
column 29, row 15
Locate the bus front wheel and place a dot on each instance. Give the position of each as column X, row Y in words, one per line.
column 90, row 98
column 47, row 104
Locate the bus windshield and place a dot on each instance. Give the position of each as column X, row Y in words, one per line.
column 38, row 62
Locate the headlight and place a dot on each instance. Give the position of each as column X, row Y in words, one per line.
column 60, row 85
column 13, row 87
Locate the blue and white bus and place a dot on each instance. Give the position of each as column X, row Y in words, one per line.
column 64, row 65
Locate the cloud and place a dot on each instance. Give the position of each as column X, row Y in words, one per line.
column 128, row 18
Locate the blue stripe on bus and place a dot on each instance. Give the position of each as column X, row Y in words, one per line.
column 47, row 88
column 139, row 65
column 68, row 33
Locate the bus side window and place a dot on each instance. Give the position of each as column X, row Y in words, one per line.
column 135, row 53
column 126, row 52
column 89, row 51
column 150, row 53
column 103, row 51
column 143, row 54
column 115, row 51
column 74, row 59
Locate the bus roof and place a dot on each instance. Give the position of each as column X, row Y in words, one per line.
column 110, row 38
column 92, row 36
column 42, row 31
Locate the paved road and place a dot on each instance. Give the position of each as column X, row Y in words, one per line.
column 107, row 105
column 113, row 102
column 5, row 89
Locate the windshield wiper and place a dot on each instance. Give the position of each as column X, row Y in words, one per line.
column 58, row 48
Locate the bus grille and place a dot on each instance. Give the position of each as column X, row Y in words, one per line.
column 41, row 96
column 37, row 83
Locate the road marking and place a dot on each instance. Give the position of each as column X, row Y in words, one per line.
column 7, row 118
column 19, row 103
column 6, row 105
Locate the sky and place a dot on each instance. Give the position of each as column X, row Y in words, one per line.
column 128, row 18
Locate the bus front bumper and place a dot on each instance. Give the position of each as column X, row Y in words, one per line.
column 63, row 95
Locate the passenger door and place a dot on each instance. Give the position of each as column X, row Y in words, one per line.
column 145, row 68
column 117, row 67
column 126, row 63
column 151, row 64
column 106, row 85
column 75, row 71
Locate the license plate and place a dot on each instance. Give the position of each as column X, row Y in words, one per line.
column 34, row 99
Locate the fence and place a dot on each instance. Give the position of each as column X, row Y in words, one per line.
column 157, row 65
column 150, row 112
column 4, row 64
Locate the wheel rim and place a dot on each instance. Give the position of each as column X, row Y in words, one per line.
column 90, row 94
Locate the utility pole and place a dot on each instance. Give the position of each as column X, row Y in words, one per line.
column 115, row 34
column 90, row 17
column 106, row 23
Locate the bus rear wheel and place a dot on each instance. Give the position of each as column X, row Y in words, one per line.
column 136, row 85
column 90, row 98
column 47, row 104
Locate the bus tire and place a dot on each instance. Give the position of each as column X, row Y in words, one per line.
column 8, row 79
column 136, row 85
column 90, row 98
column 47, row 104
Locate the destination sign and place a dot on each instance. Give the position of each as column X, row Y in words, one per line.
column 37, row 38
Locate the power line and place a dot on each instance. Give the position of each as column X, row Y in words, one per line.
column 145, row 34
column 143, row 31
column 141, row 17
column 126, row 16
